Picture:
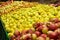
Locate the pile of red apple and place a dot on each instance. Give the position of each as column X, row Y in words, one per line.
column 40, row 31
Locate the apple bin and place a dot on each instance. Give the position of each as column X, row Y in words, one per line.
column 23, row 20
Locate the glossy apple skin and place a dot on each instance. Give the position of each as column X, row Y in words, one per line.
column 34, row 36
column 39, row 28
column 58, row 31
column 58, row 24
column 55, row 20
column 24, row 32
column 52, row 26
column 51, row 39
column 37, row 24
column 52, row 34
column 45, row 30
column 12, row 37
column 38, row 33
column 28, row 37
column 40, row 38
column 31, row 31
column 17, row 33
column 44, row 35
column 18, row 38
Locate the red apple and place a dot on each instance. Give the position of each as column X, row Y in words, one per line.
column 18, row 38
column 51, row 39
column 58, row 31
column 31, row 31
column 37, row 24
column 52, row 26
column 28, row 37
column 17, row 33
column 37, row 33
column 58, row 36
column 44, row 35
column 58, row 39
column 58, row 24
column 40, row 38
column 45, row 30
column 54, row 20
column 52, row 34
column 39, row 28
column 12, row 37
column 24, row 32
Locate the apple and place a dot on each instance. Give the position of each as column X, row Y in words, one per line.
column 40, row 38
column 31, row 31
column 26, row 37
column 58, row 36
column 58, row 39
column 47, row 38
column 58, row 24
column 58, row 31
column 24, row 32
column 12, row 37
column 56, row 20
column 34, row 36
column 52, row 34
column 51, row 39
column 17, row 33
column 52, row 26
column 18, row 38
column 48, row 23
column 39, row 28
column 37, row 24
column 45, row 30
column 33, row 28
column 43, row 35
column 37, row 33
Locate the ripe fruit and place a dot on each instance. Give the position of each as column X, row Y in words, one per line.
column 39, row 28
column 17, row 33
column 23, row 18
column 58, row 24
column 52, row 34
column 31, row 31
column 54, row 20
column 12, row 37
column 37, row 24
column 27, row 37
column 51, row 39
column 52, row 26
column 45, row 30
column 17, row 38
column 34, row 36
column 58, row 31
column 37, row 33
column 44, row 35
column 40, row 38
column 47, row 38
column 24, row 32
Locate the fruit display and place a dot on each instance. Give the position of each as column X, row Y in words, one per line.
column 31, row 21
column 8, row 6
column 41, row 31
